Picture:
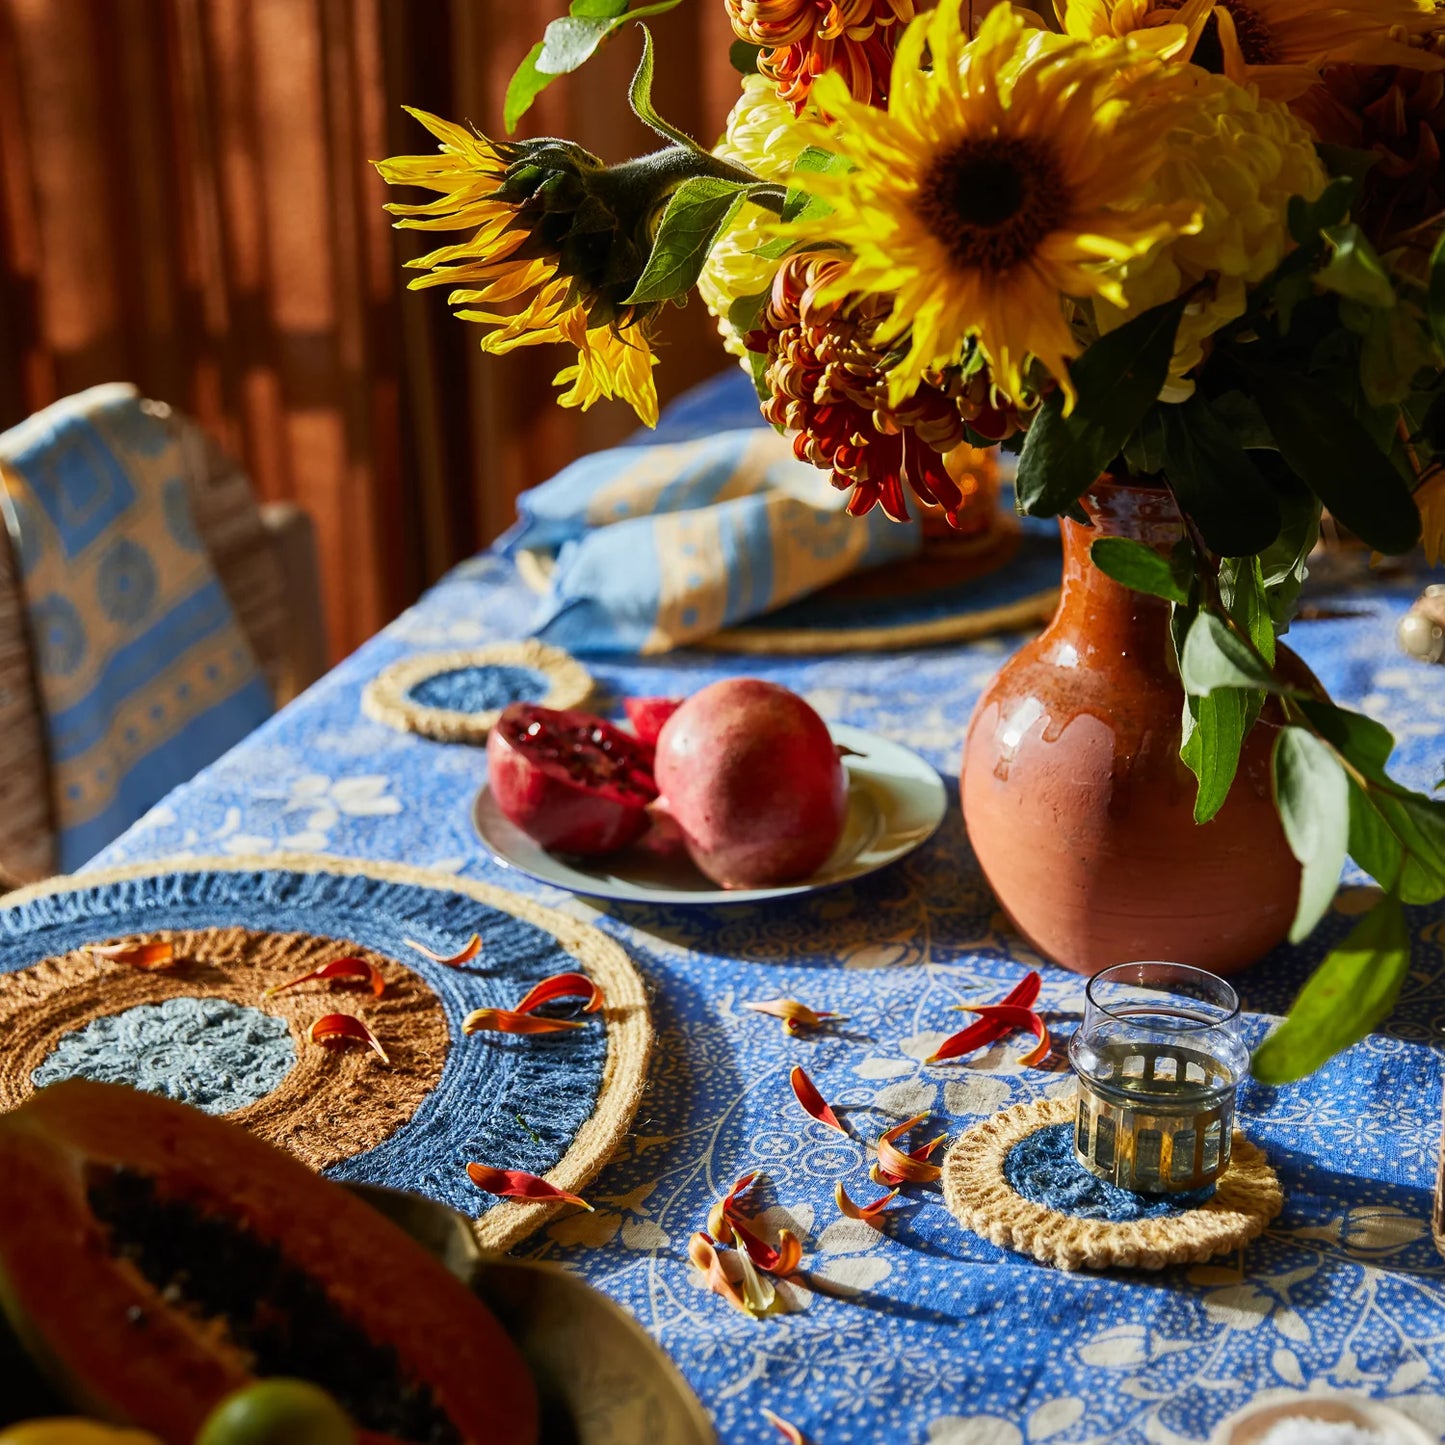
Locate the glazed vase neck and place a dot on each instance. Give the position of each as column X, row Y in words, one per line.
column 1112, row 614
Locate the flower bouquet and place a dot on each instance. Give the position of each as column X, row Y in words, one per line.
column 1185, row 258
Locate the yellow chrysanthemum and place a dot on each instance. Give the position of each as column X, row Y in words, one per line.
column 1280, row 46
column 1240, row 157
column 522, row 273
column 997, row 184
column 763, row 136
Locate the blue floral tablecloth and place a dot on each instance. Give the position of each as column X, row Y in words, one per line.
column 941, row 1338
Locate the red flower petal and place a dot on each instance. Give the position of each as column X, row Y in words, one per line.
column 504, row 1021
column 812, row 1101
column 783, row 1260
column 717, row 1219
column 562, row 985
column 518, row 1184
column 344, row 1028
column 1010, row 1016
column 357, row 968
column 868, row 1213
column 987, row 1031
column 145, row 956
column 469, row 952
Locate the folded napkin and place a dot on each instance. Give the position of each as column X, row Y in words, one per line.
column 664, row 544
column 144, row 675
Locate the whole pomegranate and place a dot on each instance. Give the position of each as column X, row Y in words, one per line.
column 753, row 779
column 570, row 781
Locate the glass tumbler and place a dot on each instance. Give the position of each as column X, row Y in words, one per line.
column 1159, row 1058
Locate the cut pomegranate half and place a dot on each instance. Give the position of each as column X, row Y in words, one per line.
column 570, row 781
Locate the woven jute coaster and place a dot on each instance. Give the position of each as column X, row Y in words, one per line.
column 333, row 1109
column 388, row 697
column 1245, row 1199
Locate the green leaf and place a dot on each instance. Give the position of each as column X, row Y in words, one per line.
column 1307, row 219
column 639, row 96
column 1397, row 347
column 1118, row 379
column 571, row 41
column 1214, row 734
column 1138, row 566
column 598, row 9
column 526, row 84
column 1241, row 414
column 696, row 211
column 745, row 311
column 1312, row 794
column 744, row 57
column 1419, row 823
column 1144, row 451
column 1350, row 993
column 1354, row 270
column 1363, row 743
column 1214, row 657
column 1215, row 481
column 1332, row 453
column 1241, row 588
column 801, row 205
column 1437, row 295
column 1373, row 843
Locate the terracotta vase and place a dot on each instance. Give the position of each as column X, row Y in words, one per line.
column 1077, row 804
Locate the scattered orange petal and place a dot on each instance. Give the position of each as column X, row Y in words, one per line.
column 518, row 1184
column 797, row 1017
column 145, row 956
column 704, row 1256
column 758, row 1293
column 717, row 1218
column 868, row 1213
column 806, row 1092
column 504, row 1021
column 1011, row 1016
column 896, row 1167
column 344, row 1028
column 786, row 1428
column 562, row 985
column 472, row 949
column 357, row 968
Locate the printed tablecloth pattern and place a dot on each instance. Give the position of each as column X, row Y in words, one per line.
column 945, row 1340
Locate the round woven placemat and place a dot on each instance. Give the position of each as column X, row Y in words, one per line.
column 1246, row 1198
column 405, row 1124
column 388, row 697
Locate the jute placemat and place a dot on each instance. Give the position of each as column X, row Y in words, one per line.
column 243, row 924
column 1246, row 1198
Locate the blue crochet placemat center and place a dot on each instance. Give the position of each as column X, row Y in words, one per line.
column 510, row 1102
column 1042, row 1169
column 485, row 688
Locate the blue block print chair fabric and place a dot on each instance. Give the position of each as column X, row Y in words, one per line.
column 141, row 669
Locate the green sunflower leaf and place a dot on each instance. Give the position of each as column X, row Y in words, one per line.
column 639, row 96
column 1312, row 794
column 526, row 84
column 1138, row 566
column 1216, row 482
column 1118, row 379
column 1214, row 657
column 696, row 211
column 1354, row 269
column 1349, row 994
column 1330, row 450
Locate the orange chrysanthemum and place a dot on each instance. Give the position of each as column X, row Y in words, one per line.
column 803, row 39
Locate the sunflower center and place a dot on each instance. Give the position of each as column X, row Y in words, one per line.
column 1256, row 40
column 992, row 201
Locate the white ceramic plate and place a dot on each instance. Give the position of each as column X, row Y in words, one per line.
column 895, row 803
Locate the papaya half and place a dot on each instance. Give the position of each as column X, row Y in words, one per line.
column 154, row 1259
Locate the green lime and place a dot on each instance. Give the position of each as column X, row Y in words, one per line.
column 277, row 1412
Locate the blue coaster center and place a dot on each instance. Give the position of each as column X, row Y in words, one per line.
column 209, row 1052
column 480, row 689
column 1042, row 1169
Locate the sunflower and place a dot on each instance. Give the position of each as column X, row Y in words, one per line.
column 762, row 135
column 548, row 260
column 1278, row 45
column 803, row 39
column 995, row 186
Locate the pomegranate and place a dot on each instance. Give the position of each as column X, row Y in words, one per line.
column 570, row 781
column 754, row 781
column 647, row 714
